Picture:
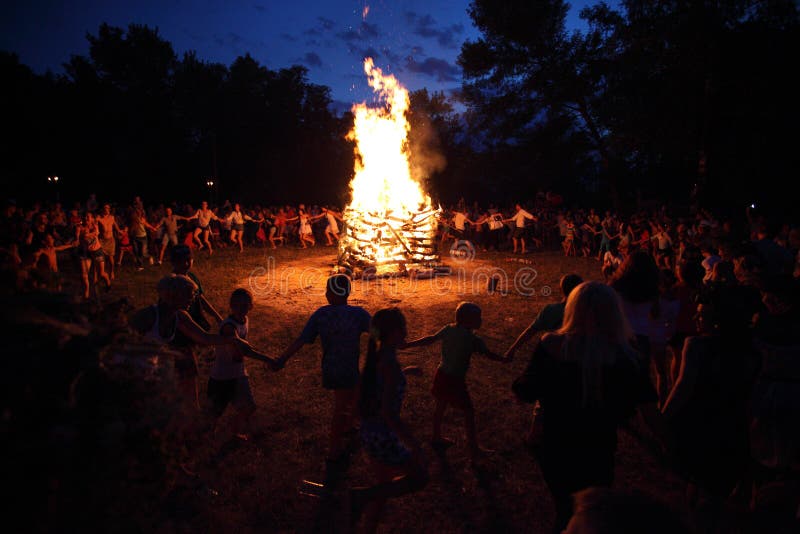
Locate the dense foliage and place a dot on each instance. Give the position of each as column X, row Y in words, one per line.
column 654, row 99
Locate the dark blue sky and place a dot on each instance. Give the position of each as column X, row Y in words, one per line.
column 417, row 40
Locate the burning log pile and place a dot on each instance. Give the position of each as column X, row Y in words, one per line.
column 391, row 224
column 388, row 244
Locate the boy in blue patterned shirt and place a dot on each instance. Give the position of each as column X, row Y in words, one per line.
column 339, row 327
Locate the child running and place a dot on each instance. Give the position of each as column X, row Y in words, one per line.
column 449, row 386
column 228, row 382
column 339, row 327
column 392, row 449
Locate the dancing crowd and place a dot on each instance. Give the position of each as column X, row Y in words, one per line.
column 694, row 329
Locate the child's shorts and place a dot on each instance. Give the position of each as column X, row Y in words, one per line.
column 334, row 377
column 452, row 390
column 235, row 391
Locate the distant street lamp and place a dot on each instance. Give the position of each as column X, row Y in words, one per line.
column 54, row 180
column 210, row 185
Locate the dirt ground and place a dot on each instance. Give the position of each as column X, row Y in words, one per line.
column 253, row 486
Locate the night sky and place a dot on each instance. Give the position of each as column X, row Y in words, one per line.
column 417, row 40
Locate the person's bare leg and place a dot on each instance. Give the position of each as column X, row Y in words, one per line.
column 241, row 423
column 102, row 272
column 341, row 420
column 522, row 243
column 109, row 261
column 196, row 238
column 207, row 238
column 85, row 278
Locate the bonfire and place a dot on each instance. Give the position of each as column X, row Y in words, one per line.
column 390, row 221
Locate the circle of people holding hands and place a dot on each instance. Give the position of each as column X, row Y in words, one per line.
column 694, row 330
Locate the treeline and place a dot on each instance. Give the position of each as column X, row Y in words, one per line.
column 654, row 100
column 657, row 98
column 132, row 118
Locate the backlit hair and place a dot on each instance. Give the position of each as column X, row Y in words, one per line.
column 596, row 334
column 594, row 310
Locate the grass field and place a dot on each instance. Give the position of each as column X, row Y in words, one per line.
column 255, row 483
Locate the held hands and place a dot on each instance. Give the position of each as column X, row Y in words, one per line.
column 242, row 345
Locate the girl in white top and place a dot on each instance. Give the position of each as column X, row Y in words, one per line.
column 663, row 246
column 332, row 230
column 228, row 382
column 236, row 218
column 305, row 233
column 204, row 217
column 518, row 233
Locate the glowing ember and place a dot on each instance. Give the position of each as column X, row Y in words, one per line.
column 390, row 221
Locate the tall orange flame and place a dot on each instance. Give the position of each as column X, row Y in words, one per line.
column 390, row 219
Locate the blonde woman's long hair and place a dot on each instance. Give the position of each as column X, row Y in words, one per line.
column 596, row 333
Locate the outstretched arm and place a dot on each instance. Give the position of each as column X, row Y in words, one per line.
column 290, row 351
column 252, row 353
column 66, row 247
column 687, row 378
column 207, row 306
column 423, row 341
column 523, row 338
column 195, row 332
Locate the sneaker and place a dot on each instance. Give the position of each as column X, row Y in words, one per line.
column 140, row 268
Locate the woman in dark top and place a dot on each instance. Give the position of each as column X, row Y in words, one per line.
column 707, row 408
column 588, row 380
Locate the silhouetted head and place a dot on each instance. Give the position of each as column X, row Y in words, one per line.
column 337, row 289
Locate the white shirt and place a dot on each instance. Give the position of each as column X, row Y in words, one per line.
column 495, row 221
column 519, row 218
column 204, row 217
column 664, row 241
